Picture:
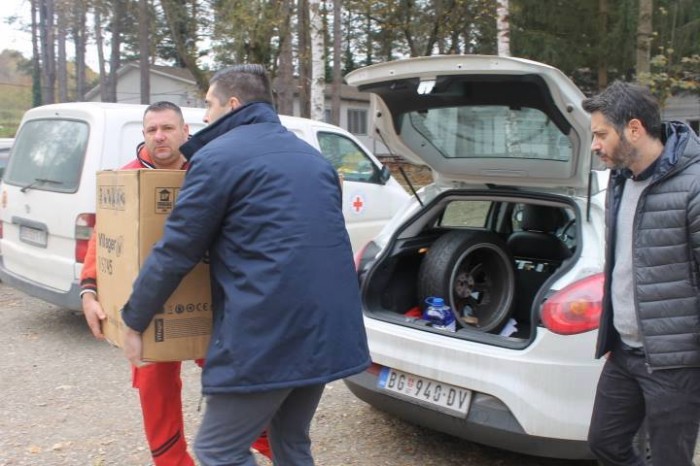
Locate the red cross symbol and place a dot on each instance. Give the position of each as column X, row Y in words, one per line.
column 358, row 204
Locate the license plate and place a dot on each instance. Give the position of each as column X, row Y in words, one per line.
column 447, row 398
column 32, row 235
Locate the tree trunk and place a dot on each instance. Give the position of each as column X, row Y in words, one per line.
column 119, row 7
column 644, row 36
column 386, row 44
column 304, row 57
column 368, row 34
column 318, row 78
column 36, row 64
column 79, row 19
column 144, row 52
column 603, row 15
column 406, row 11
column 99, row 42
column 337, row 76
column 61, row 61
column 285, row 81
column 503, row 28
column 48, row 57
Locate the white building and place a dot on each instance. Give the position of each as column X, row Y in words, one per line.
column 684, row 108
column 167, row 83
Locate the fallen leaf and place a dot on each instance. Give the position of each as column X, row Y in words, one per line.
column 34, row 449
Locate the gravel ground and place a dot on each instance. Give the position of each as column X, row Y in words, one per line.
column 67, row 400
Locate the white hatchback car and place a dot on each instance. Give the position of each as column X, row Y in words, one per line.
column 510, row 234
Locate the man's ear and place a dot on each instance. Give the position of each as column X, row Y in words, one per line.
column 234, row 103
column 636, row 129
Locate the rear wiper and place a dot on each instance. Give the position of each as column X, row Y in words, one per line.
column 38, row 181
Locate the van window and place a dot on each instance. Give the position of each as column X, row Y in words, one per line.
column 348, row 158
column 48, row 155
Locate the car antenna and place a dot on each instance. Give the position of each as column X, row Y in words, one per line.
column 403, row 173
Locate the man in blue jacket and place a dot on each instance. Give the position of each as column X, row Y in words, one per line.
column 650, row 323
column 287, row 316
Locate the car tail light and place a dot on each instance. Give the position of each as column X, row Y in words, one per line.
column 84, row 224
column 575, row 308
column 374, row 369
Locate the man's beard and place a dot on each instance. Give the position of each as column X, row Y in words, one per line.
column 624, row 154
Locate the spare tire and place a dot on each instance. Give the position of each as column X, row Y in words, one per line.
column 473, row 272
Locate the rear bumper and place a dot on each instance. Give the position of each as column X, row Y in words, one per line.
column 65, row 299
column 489, row 422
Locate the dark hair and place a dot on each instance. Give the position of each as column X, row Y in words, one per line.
column 248, row 83
column 164, row 105
column 621, row 102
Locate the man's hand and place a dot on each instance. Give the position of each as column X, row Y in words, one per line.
column 94, row 314
column 133, row 343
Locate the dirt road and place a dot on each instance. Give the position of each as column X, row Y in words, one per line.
column 67, row 400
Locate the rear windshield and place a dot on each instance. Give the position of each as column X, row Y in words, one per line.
column 48, row 155
column 488, row 131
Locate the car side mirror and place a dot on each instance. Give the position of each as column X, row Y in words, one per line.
column 384, row 174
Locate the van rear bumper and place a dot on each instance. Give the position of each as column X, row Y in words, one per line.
column 66, row 299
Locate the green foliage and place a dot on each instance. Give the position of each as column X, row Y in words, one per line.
column 381, row 30
column 675, row 69
column 667, row 79
column 247, row 31
column 677, row 29
column 571, row 36
column 591, row 45
column 15, row 91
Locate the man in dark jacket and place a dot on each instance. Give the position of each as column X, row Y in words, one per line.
column 650, row 324
column 287, row 316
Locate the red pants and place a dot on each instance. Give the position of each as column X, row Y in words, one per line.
column 160, row 392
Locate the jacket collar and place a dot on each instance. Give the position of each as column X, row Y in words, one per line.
column 144, row 158
column 250, row 113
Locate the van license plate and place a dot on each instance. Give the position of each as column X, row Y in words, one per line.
column 32, row 235
column 447, row 398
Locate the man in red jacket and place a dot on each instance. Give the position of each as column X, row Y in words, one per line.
column 159, row 384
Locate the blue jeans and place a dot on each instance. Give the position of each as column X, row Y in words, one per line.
column 628, row 394
column 232, row 422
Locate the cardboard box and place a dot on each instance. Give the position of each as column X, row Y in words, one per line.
column 132, row 206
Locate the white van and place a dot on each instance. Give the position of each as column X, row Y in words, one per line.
column 48, row 189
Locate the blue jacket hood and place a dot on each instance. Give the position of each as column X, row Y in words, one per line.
column 675, row 136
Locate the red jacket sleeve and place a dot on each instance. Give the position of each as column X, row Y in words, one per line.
column 88, row 277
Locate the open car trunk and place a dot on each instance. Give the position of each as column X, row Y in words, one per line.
column 491, row 255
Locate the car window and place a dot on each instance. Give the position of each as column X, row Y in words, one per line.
column 489, row 131
column 48, row 155
column 466, row 214
column 348, row 158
